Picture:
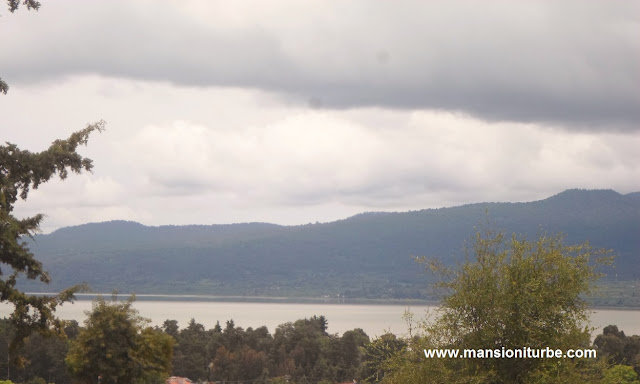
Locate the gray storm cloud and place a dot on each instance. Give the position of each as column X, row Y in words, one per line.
column 572, row 64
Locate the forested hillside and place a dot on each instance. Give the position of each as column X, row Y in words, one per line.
column 367, row 255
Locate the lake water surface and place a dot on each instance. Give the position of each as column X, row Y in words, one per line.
column 374, row 319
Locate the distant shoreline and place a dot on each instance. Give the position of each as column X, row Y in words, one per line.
column 287, row 300
column 262, row 299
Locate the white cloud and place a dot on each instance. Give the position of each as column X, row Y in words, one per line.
column 181, row 155
column 318, row 157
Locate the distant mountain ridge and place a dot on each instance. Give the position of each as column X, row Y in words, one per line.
column 366, row 255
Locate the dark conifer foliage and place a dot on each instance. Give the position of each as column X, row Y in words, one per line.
column 21, row 171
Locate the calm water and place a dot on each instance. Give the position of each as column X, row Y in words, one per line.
column 373, row 319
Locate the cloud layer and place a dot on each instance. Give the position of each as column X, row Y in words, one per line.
column 214, row 156
column 572, row 63
column 294, row 112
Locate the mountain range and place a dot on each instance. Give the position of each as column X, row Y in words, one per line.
column 369, row 255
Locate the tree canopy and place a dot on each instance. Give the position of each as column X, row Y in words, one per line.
column 20, row 172
column 511, row 293
column 117, row 344
column 618, row 347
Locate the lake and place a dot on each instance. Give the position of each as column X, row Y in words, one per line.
column 374, row 319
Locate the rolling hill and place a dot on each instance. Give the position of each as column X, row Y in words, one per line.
column 367, row 255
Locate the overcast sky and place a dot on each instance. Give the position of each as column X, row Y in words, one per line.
column 300, row 111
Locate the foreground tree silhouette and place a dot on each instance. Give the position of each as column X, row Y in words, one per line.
column 117, row 344
column 513, row 294
column 21, row 171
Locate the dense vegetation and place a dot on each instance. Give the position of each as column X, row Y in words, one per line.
column 509, row 293
column 301, row 351
column 365, row 256
column 117, row 344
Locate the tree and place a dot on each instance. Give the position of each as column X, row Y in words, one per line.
column 351, row 345
column 170, row 327
column 41, row 357
column 614, row 345
column 190, row 358
column 620, row 374
column 45, row 355
column 21, row 171
column 376, row 353
column 512, row 294
column 117, row 344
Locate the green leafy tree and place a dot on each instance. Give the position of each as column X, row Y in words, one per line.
column 513, row 294
column 117, row 344
column 299, row 346
column 41, row 357
column 618, row 348
column 351, row 344
column 620, row 374
column 244, row 364
column 170, row 327
column 376, row 354
column 190, row 355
